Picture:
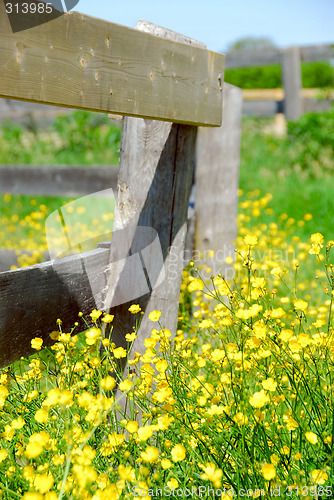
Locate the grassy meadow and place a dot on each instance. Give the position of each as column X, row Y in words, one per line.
column 240, row 402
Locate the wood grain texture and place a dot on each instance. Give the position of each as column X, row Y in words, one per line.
column 156, row 168
column 85, row 63
column 57, row 180
column 33, row 298
column 217, row 181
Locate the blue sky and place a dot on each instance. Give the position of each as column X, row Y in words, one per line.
column 219, row 22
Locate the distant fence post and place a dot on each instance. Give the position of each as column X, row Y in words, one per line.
column 292, row 81
column 217, row 179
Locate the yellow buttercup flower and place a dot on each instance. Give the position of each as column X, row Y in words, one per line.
column 311, row 437
column 276, row 271
column 130, row 337
column 317, row 238
column 258, row 282
column 132, row 426
column 301, row 304
column 33, row 450
column 92, row 336
column 268, row 471
column 134, row 309
column 144, row 433
column 212, row 474
column 3, row 455
column 125, row 385
column 319, row 476
column 32, row 496
column 107, row 318
column 269, row 384
column 259, row 399
column 178, row 453
column 18, row 423
column 41, row 415
column 250, row 240
column 126, row 473
column 119, row 353
column 166, row 463
column 108, row 383
column 172, row 483
column 195, row 284
column 95, row 314
column 150, row 455
column 154, row 315
column 43, row 482
column 37, row 343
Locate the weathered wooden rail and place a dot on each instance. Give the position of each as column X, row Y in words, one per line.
column 85, row 63
column 58, row 180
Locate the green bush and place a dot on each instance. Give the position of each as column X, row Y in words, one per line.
column 317, row 74
column 80, row 138
column 314, row 75
column 255, row 77
column 312, row 137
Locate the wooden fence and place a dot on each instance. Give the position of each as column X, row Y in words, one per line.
column 290, row 59
column 81, row 62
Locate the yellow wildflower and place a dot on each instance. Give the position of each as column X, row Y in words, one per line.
column 269, row 384
column 172, row 483
column 3, row 455
column 125, row 385
column 41, row 415
column 107, row 383
column 276, row 271
column 301, row 304
column 268, row 471
column 95, row 314
column 92, row 335
column 130, row 337
column 166, row 463
column 144, row 433
column 311, row 437
column 134, row 309
column 178, row 453
column 259, row 399
column 132, row 426
column 250, row 240
column 43, row 482
column 319, row 476
column 119, row 353
column 126, row 473
column 154, row 315
column 150, row 455
column 195, row 284
column 107, row 318
column 212, row 474
column 37, row 343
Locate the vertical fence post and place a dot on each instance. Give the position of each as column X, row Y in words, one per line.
column 155, row 178
column 217, row 179
column 292, row 81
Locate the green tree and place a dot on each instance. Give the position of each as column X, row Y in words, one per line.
column 251, row 43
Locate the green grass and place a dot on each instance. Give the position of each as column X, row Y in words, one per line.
column 298, row 174
column 296, row 169
column 79, row 138
column 241, row 398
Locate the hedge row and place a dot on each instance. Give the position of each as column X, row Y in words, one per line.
column 314, row 75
